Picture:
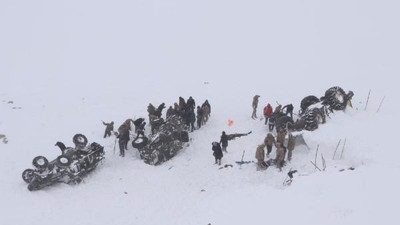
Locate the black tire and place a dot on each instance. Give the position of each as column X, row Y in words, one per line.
column 80, row 140
column 307, row 101
column 40, row 162
column 336, row 98
column 140, row 142
column 63, row 161
column 312, row 117
column 27, row 175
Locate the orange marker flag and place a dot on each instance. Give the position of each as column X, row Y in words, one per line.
column 230, row 122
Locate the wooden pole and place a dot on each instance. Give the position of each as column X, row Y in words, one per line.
column 316, row 154
column 344, row 145
column 366, row 104
column 381, row 103
column 315, row 165
column 337, row 146
column 323, row 162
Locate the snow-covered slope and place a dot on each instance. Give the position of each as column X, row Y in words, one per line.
column 70, row 65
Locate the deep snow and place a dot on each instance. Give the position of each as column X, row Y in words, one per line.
column 70, row 65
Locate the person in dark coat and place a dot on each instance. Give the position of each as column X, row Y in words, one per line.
column 199, row 117
column 216, row 147
column 224, row 141
column 192, row 118
column 209, row 106
column 137, row 123
column 289, row 110
column 182, row 103
column 170, row 112
column 176, row 106
column 109, row 128
column 140, row 130
column 191, row 103
column 271, row 122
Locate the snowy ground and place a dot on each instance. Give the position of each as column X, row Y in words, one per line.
column 67, row 66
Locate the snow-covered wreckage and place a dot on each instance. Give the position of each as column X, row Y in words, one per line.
column 170, row 137
column 69, row 167
column 314, row 110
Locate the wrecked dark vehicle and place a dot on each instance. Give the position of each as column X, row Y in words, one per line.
column 336, row 99
column 69, row 167
column 314, row 111
column 170, row 137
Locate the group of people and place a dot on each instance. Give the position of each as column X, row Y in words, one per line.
column 270, row 113
column 281, row 149
column 185, row 109
column 219, row 147
column 123, row 133
column 269, row 142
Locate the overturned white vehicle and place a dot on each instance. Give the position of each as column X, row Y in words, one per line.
column 69, row 167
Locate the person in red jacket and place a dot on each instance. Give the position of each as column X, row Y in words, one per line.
column 267, row 112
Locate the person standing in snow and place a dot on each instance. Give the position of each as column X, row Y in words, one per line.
column 206, row 114
column 206, row 103
column 267, row 112
column 281, row 137
column 123, row 136
column 123, row 139
column 216, row 147
column 140, row 130
column 224, row 141
column 280, row 156
column 109, row 128
column 199, row 117
column 269, row 141
column 255, row 105
column 191, row 103
column 192, row 118
column 278, row 109
column 271, row 122
column 290, row 146
column 170, row 112
column 260, row 154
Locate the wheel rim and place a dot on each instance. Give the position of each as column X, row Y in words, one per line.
column 64, row 160
column 139, row 141
column 41, row 162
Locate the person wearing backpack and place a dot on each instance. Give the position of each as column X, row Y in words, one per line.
column 267, row 112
